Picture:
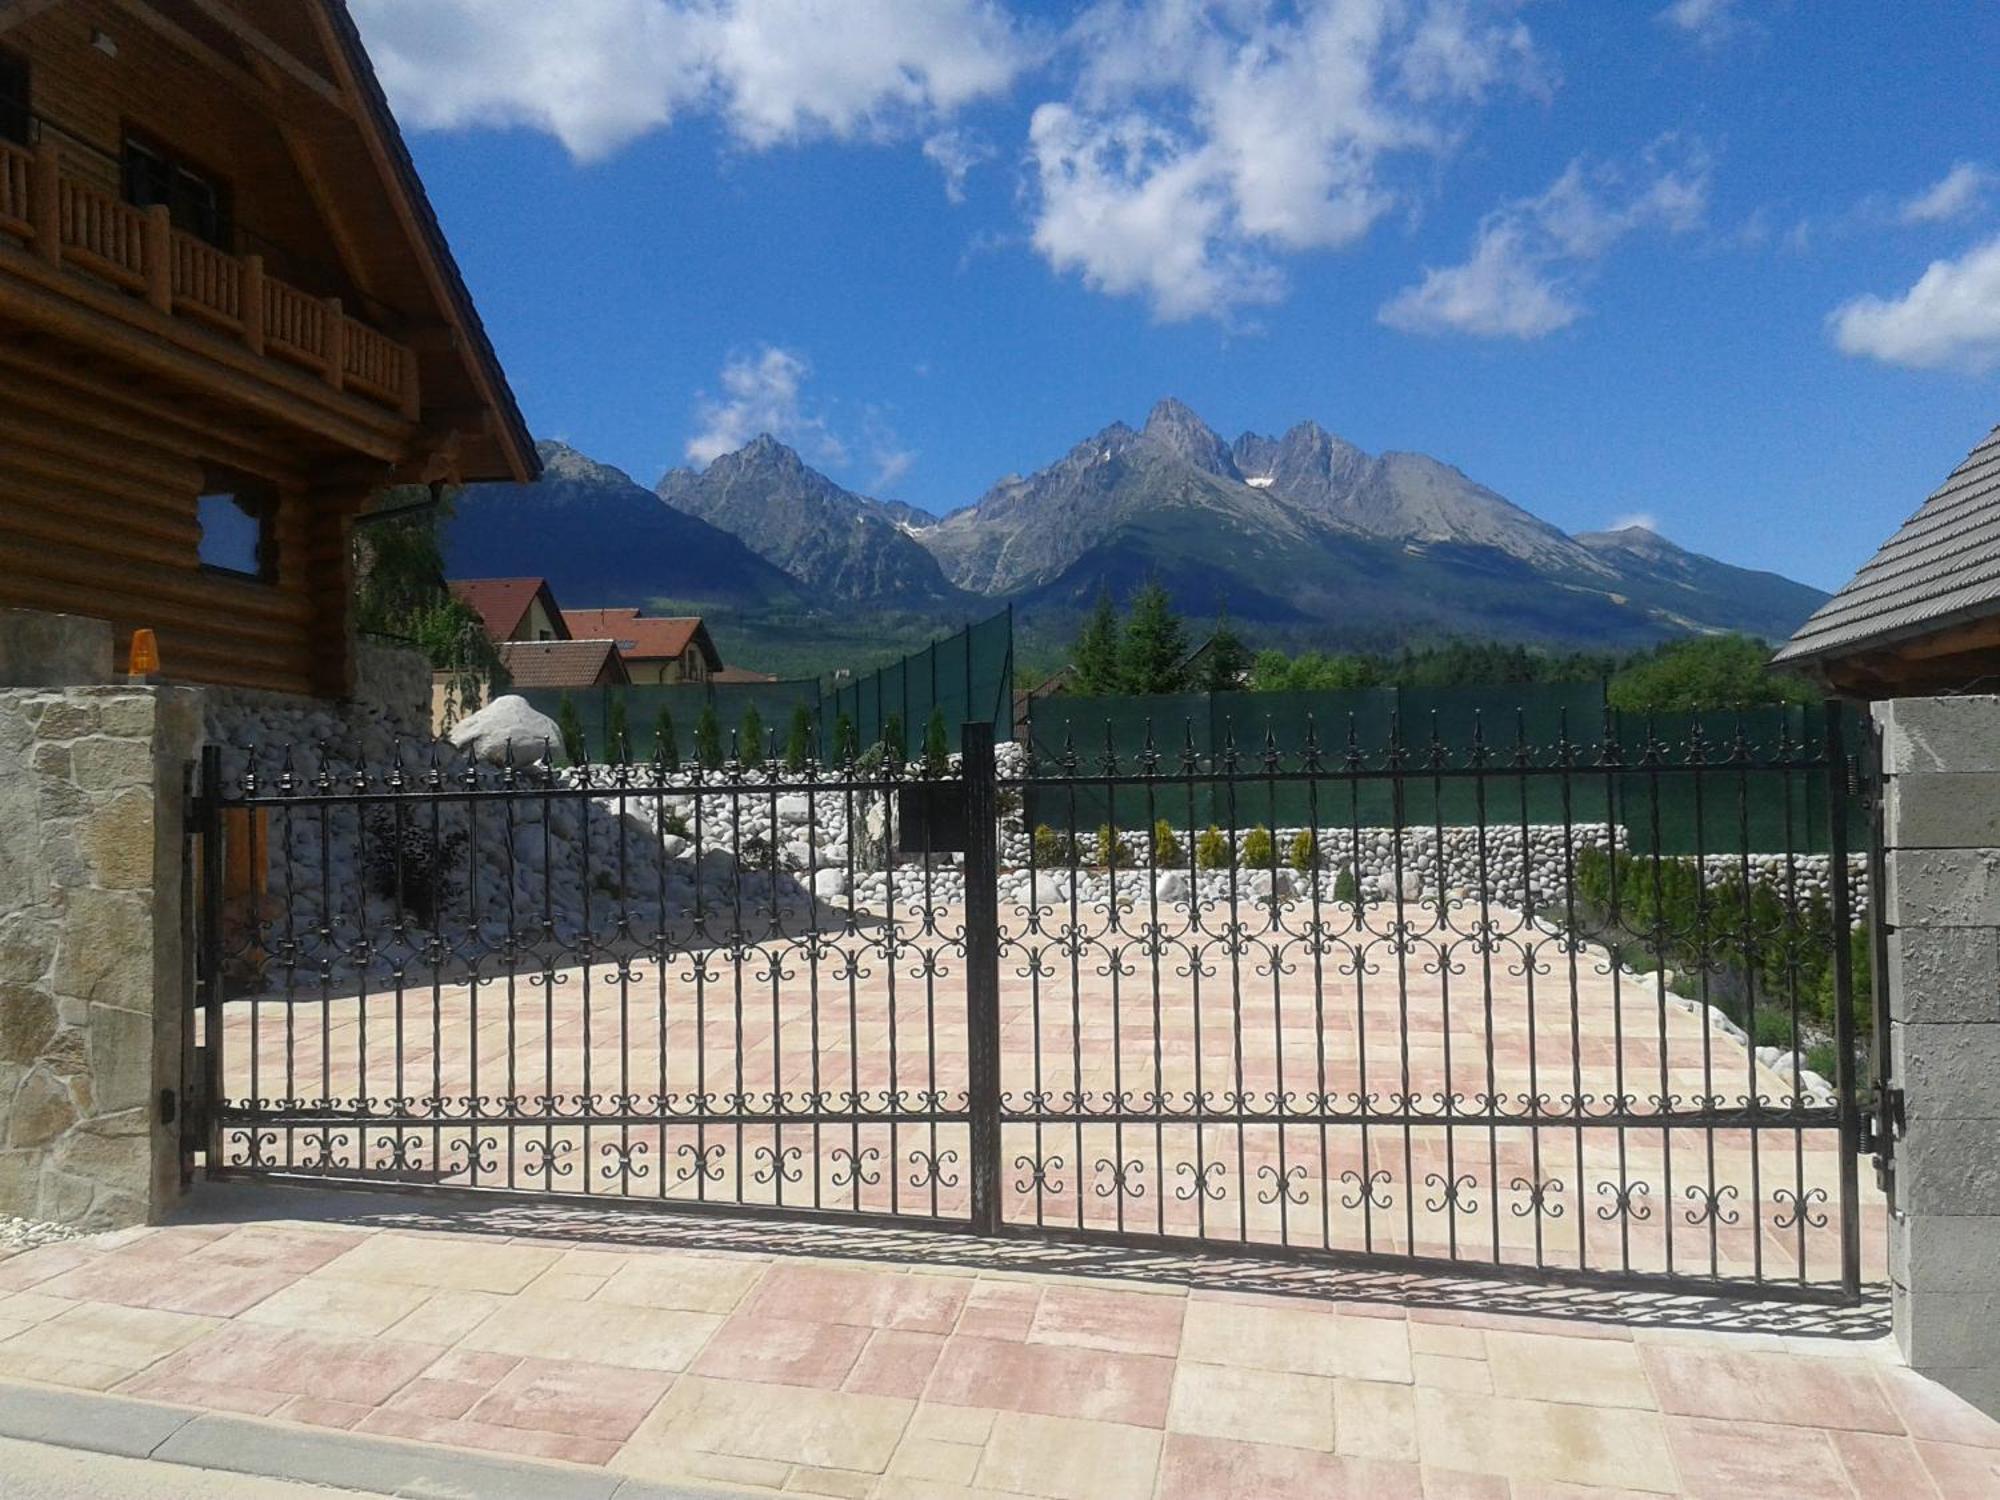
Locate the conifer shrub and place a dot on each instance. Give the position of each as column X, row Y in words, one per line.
column 1212, row 850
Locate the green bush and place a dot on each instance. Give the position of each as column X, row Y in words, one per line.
column 674, row 823
column 570, row 727
column 1345, row 887
column 617, row 733
column 708, row 737
column 1212, row 850
column 1305, row 852
column 894, row 740
column 750, row 738
column 1052, row 848
column 846, row 745
column 1258, row 849
column 937, row 741
column 666, row 745
column 798, row 741
column 1166, row 848
column 1110, row 852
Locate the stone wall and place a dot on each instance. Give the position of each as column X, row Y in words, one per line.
column 1942, row 833
column 394, row 681
column 93, row 951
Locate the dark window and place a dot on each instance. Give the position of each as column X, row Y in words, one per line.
column 236, row 535
column 198, row 203
column 15, row 116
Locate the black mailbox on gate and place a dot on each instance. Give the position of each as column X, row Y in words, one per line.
column 931, row 818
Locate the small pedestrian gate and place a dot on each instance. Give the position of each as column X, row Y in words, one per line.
column 1583, row 1008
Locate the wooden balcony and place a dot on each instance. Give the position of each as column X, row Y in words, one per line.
column 71, row 223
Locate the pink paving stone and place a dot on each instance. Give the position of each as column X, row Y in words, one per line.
column 1198, row 1468
column 1053, row 1380
column 584, row 1400
column 288, row 1361
column 1569, row 1328
column 214, row 1291
column 436, row 1398
column 466, row 1434
column 1745, row 1387
column 1730, row 1460
column 33, row 1267
column 895, row 1364
column 1878, row 1464
column 782, row 1351
column 999, row 1310
column 1961, row 1470
column 1094, row 1318
column 156, row 1385
column 1937, row 1415
column 314, row 1412
column 273, row 1247
column 861, row 1299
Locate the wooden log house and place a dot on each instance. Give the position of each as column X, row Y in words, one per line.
column 227, row 318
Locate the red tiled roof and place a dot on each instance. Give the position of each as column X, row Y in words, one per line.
column 644, row 637
column 502, row 603
column 562, row 664
column 740, row 674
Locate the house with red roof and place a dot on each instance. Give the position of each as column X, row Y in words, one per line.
column 655, row 648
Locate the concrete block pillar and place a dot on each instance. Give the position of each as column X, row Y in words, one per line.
column 1941, row 757
column 94, row 949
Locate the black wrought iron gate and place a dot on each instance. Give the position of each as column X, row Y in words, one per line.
column 1584, row 1006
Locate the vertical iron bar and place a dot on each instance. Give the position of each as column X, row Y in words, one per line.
column 982, row 972
column 209, row 1112
column 1843, row 1002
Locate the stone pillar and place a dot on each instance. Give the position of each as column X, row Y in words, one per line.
column 1942, row 834
column 94, row 948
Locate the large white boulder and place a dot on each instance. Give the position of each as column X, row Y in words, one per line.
column 507, row 730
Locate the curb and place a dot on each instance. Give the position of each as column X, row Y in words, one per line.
column 125, row 1428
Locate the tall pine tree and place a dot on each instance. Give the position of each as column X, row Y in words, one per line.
column 1095, row 667
column 1225, row 666
column 1154, row 652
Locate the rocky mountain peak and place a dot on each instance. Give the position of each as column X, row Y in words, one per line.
column 562, row 462
column 1173, row 425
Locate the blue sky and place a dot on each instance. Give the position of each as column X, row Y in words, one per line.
column 1731, row 265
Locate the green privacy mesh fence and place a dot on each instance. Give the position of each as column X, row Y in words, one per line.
column 968, row 674
column 1674, row 808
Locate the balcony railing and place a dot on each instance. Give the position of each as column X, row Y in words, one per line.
column 69, row 222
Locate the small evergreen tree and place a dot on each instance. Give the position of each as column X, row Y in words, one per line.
column 1225, row 666
column 798, row 742
column 1052, row 848
column 1258, row 848
column 666, row 745
column 708, row 737
column 846, row 745
column 750, row 738
column 569, row 726
column 1166, row 848
column 1305, row 851
column 1153, row 654
column 1095, row 667
column 1110, row 849
column 937, row 741
column 1212, row 851
column 1346, row 889
column 895, row 744
column 617, row 733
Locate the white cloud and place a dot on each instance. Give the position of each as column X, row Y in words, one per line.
column 1956, row 193
column 1632, row 518
column 598, row 73
column 1708, row 22
column 1949, row 320
column 762, row 393
column 955, row 153
column 1203, row 140
column 1519, row 281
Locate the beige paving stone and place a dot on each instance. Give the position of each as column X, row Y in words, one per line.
column 1063, row 1458
column 1449, row 1374
column 683, row 1283
column 558, row 1285
column 1301, row 1340
column 445, row 1317
column 326, row 1304
column 1375, row 1419
column 1545, row 1441
column 1254, row 1406
column 1589, row 1372
column 779, row 1424
column 951, row 1424
column 454, row 1264
column 638, row 1338
column 926, row 1458
column 833, row 1484
column 94, row 1338
column 1453, row 1339
column 29, row 1308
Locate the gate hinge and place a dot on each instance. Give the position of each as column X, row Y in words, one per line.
column 1882, row 1126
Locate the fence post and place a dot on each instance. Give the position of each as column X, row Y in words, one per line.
column 1838, row 770
column 982, row 973
column 204, row 1113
